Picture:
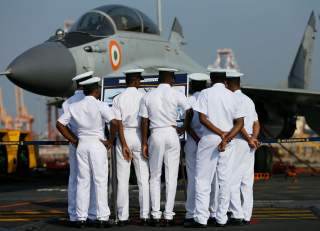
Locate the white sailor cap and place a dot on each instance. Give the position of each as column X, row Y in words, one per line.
column 217, row 70
column 82, row 76
column 198, row 76
column 90, row 81
column 233, row 74
column 131, row 71
column 167, row 69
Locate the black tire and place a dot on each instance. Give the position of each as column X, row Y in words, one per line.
column 263, row 159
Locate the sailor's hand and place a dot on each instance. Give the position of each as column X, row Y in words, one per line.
column 107, row 144
column 127, row 155
column 253, row 143
column 75, row 143
column 223, row 135
column 144, row 148
column 222, row 146
column 180, row 130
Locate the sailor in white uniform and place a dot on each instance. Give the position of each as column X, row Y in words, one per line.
column 90, row 116
column 197, row 82
column 128, row 148
column 73, row 168
column 223, row 119
column 159, row 107
column 243, row 169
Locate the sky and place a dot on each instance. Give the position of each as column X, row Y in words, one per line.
column 264, row 35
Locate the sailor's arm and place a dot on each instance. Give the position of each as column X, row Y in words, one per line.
column 201, row 107
column 256, row 129
column 237, row 126
column 144, row 136
column 125, row 149
column 62, row 127
column 143, row 113
column 205, row 122
column 187, row 125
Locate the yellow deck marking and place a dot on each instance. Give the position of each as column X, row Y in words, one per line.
column 15, row 205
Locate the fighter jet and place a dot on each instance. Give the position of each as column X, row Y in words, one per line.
column 107, row 39
column 112, row 38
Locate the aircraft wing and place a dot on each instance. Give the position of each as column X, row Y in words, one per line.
column 287, row 97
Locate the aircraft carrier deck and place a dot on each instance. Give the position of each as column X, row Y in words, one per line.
column 39, row 202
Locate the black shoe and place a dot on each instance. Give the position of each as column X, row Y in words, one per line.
column 198, row 225
column 212, row 221
column 220, row 225
column 244, row 222
column 103, row 224
column 235, row 221
column 123, row 223
column 72, row 223
column 90, row 222
column 187, row 223
column 168, row 223
column 229, row 214
column 80, row 224
column 144, row 222
column 155, row 222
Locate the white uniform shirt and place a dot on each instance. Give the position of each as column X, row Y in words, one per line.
column 90, row 116
column 160, row 106
column 250, row 110
column 195, row 122
column 220, row 106
column 78, row 95
column 126, row 107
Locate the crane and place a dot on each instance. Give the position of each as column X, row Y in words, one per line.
column 5, row 119
column 23, row 120
column 225, row 59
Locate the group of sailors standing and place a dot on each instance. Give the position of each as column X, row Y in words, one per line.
column 222, row 129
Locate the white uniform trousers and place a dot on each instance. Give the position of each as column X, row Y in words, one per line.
column 133, row 139
column 214, row 196
column 209, row 161
column 247, row 185
column 190, row 150
column 92, row 160
column 164, row 147
column 242, row 149
column 72, row 188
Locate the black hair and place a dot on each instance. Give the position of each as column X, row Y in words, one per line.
column 233, row 82
column 165, row 76
column 130, row 78
column 89, row 89
column 197, row 85
column 218, row 77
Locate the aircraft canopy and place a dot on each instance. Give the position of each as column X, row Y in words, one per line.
column 101, row 21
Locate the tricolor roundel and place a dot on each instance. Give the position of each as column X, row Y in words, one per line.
column 114, row 54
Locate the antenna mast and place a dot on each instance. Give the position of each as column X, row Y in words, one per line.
column 159, row 15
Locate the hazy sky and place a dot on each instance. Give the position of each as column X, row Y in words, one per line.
column 264, row 35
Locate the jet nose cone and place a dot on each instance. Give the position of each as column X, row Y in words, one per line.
column 46, row 69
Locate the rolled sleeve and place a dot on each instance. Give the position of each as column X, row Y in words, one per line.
column 240, row 111
column 65, row 118
column 106, row 112
column 116, row 109
column 201, row 105
column 254, row 113
column 183, row 101
column 65, row 106
column 143, row 110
